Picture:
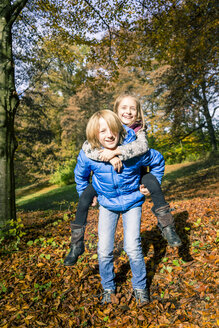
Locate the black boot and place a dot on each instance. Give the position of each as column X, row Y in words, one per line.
column 167, row 226
column 169, row 233
column 77, row 244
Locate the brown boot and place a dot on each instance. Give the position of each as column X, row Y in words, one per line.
column 77, row 244
column 167, row 226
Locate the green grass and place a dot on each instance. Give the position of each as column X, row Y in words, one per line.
column 177, row 171
column 54, row 198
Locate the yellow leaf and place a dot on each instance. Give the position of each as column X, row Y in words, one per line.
column 40, row 264
column 63, row 316
column 40, row 323
column 28, row 277
column 11, row 308
column 25, row 307
column 70, row 322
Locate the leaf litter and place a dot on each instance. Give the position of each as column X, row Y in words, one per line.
column 37, row 290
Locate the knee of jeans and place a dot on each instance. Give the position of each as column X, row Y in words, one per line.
column 133, row 251
column 104, row 253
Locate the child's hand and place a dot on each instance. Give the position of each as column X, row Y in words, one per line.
column 144, row 190
column 116, row 163
column 94, row 202
column 106, row 155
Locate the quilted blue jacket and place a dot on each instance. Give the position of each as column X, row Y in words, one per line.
column 118, row 191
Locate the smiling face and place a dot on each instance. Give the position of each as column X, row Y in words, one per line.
column 106, row 138
column 127, row 111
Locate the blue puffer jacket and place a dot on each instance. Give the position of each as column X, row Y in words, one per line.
column 118, row 191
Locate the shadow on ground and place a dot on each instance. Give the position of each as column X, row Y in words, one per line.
column 154, row 238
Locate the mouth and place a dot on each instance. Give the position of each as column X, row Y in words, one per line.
column 127, row 116
column 110, row 141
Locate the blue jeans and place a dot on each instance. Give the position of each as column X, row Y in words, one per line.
column 132, row 246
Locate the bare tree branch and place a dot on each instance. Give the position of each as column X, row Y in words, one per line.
column 214, row 111
column 37, row 79
column 148, row 9
column 107, row 25
column 186, row 135
column 16, row 9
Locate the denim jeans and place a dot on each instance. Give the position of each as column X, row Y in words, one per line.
column 132, row 246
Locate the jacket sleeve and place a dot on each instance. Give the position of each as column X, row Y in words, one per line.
column 92, row 153
column 156, row 163
column 135, row 148
column 82, row 172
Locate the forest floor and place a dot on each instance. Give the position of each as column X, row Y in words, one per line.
column 37, row 290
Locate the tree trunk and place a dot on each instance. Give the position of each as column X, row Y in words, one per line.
column 207, row 115
column 8, row 105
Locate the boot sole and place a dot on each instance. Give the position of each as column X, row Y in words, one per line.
column 69, row 264
column 176, row 245
column 172, row 245
column 72, row 263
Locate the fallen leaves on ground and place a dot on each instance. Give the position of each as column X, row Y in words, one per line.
column 37, row 290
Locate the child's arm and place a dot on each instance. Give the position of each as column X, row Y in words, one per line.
column 92, row 153
column 82, row 172
column 135, row 148
column 126, row 151
column 96, row 153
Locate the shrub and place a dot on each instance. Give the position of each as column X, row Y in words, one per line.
column 190, row 149
column 11, row 234
column 64, row 174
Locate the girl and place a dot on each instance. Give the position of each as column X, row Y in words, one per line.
column 129, row 111
column 118, row 193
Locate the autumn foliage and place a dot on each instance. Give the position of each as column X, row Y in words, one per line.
column 37, row 290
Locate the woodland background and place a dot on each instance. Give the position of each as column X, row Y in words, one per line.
column 72, row 58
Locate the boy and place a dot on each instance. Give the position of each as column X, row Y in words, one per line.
column 118, row 193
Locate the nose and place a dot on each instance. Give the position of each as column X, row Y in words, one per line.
column 109, row 133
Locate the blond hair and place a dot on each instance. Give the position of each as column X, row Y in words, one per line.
column 93, row 126
column 140, row 114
